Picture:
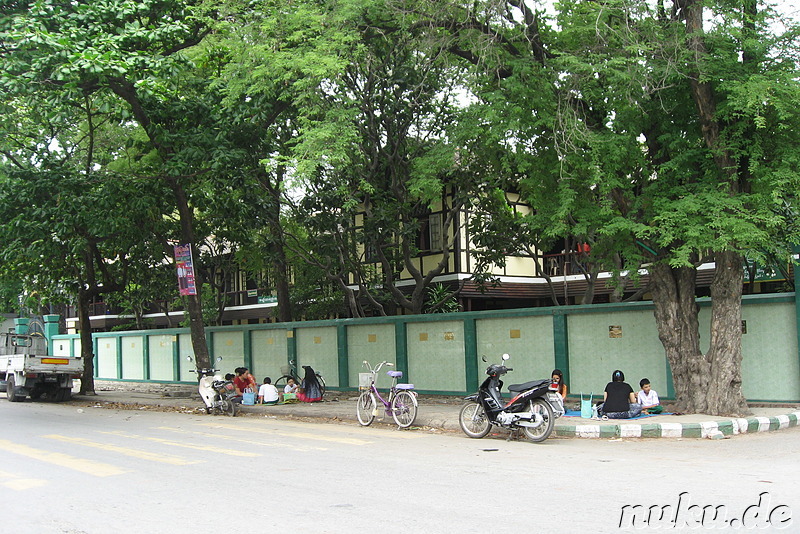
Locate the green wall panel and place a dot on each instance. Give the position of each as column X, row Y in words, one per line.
column 228, row 345
column 436, row 355
column 269, row 353
column 373, row 343
column 106, row 357
column 599, row 343
column 769, row 352
column 161, row 357
column 316, row 346
column 133, row 357
column 186, row 358
column 527, row 340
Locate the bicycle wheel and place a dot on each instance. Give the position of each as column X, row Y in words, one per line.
column 321, row 385
column 366, row 406
column 473, row 420
column 404, row 409
column 541, row 432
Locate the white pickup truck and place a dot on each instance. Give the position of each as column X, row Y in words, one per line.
column 27, row 369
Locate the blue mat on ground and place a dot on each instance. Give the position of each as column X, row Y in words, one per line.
column 577, row 413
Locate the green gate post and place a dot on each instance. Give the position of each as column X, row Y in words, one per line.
column 21, row 326
column 176, row 357
column 401, row 348
column 51, row 328
column 470, row 355
column 119, row 357
column 344, row 361
column 247, row 346
column 146, row 356
column 291, row 347
column 561, row 344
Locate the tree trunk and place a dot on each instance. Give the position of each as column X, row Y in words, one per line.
column 87, row 345
column 725, row 352
column 194, row 304
column 676, row 314
column 281, row 271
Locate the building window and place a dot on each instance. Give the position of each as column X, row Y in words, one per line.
column 435, row 231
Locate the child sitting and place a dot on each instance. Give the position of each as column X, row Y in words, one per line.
column 267, row 393
column 648, row 398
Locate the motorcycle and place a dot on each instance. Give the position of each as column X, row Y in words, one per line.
column 529, row 408
column 216, row 392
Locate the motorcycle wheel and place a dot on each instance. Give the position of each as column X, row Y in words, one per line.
column 404, row 409
column 365, row 408
column 473, row 420
column 228, row 407
column 543, row 431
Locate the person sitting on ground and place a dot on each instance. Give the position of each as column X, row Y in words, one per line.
column 648, row 398
column 291, row 386
column 310, row 390
column 619, row 401
column 267, row 393
column 240, row 381
column 558, row 377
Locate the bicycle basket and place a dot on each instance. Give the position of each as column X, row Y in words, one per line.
column 286, row 369
column 364, row 380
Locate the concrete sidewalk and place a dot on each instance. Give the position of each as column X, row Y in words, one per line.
column 441, row 413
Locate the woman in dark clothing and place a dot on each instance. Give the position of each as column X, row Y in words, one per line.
column 309, row 390
column 619, row 401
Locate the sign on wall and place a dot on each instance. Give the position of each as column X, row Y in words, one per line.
column 185, row 269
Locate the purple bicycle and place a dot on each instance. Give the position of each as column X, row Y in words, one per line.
column 402, row 402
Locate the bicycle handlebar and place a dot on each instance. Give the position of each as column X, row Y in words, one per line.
column 377, row 367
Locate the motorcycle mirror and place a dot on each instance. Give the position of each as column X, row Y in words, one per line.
column 219, row 359
column 484, row 359
column 505, row 357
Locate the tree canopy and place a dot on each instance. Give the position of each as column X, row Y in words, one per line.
column 331, row 144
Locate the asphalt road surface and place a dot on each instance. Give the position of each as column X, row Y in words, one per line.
column 74, row 470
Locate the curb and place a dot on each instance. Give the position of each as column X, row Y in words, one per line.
column 708, row 429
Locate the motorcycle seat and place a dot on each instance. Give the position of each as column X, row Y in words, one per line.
column 528, row 385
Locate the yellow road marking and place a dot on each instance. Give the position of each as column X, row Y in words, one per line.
column 396, row 432
column 228, row 437
column 18, row 483
column 301, row 435
column 220, row 450
column 90, row 467
column 153, row 457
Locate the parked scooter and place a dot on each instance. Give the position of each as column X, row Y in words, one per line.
column 529, row 409
column 216, row 392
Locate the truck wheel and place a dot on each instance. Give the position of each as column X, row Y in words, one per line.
column 63, row 394
column 11, row 390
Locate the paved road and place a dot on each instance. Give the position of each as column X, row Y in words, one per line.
column 83, row 470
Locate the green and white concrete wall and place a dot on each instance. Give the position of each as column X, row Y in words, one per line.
column 443, row 353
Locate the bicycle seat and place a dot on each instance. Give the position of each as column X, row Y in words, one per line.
column 395, row 374
column 404, row 386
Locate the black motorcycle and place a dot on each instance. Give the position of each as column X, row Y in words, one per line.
column 528, row 409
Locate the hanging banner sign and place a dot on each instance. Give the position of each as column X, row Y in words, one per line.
column 183, row 263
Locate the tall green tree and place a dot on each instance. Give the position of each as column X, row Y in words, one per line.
column 133, row 50
column 670, row 142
